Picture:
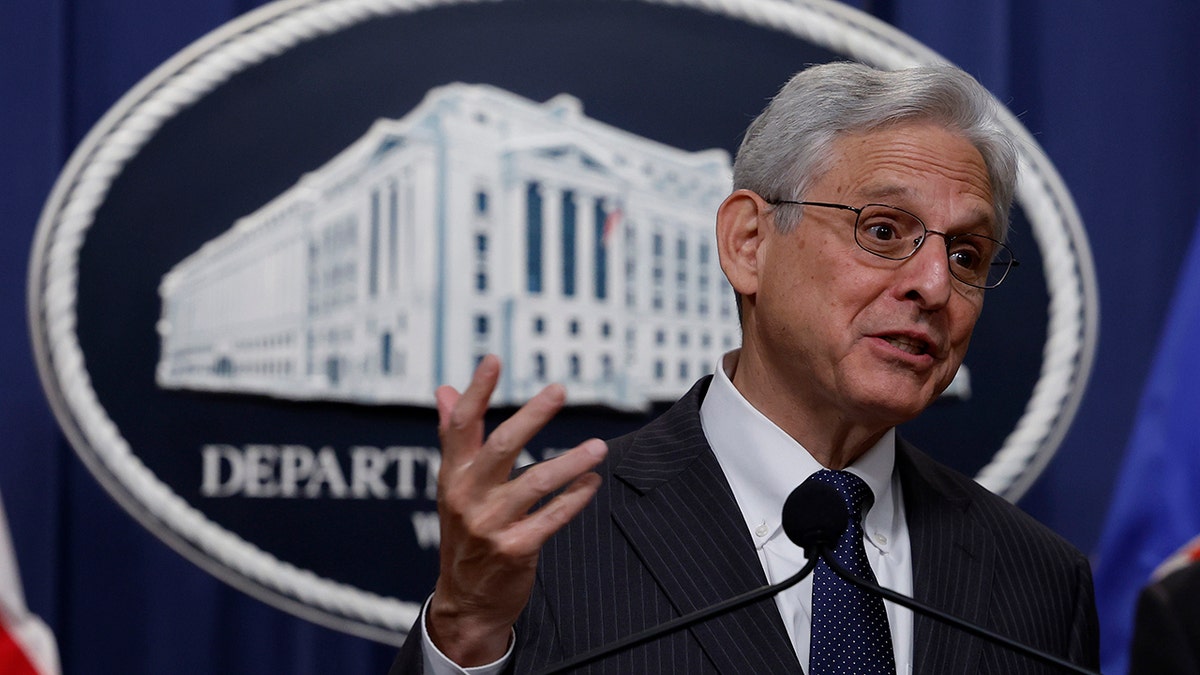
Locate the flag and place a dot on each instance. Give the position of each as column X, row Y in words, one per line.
column 1182, row 558
column 26, row 645
column 611, row 221
column 1155, row 508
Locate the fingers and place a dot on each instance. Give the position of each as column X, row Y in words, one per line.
column 540, row 525
column 475, row 473
column 474, row 400
column 491, row 534
column 543, row 478
column 461, row 425
column 460, row 416
column 515, row 532
column 495, row 460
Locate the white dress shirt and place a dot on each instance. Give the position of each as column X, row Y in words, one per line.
column 763, row 465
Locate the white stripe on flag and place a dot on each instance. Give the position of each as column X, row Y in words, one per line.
column 27, row 646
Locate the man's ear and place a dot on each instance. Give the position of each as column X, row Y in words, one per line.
column 742, row 222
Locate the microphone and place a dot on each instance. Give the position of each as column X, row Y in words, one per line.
column 814, row 517
column 800, row 526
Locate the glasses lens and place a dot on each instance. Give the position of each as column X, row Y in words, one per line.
column 979, row 260
column 888, row 232
column 1002, row 262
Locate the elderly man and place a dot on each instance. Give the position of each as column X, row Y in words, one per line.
column 863, row 231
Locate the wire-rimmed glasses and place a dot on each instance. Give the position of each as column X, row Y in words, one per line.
column 893, row 233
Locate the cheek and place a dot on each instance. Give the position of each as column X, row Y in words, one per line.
column 962, row 325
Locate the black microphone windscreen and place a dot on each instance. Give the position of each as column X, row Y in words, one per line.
column 814, row 516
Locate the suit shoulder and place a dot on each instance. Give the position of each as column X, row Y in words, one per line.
column 679, row 425
column 1005, row 520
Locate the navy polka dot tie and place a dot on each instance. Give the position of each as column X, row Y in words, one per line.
column 850, row 633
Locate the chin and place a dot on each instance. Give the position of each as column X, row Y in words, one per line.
column 897, row 404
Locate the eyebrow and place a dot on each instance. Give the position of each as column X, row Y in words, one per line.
column 887, row 191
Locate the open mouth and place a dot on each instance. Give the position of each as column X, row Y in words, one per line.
column 906, row 344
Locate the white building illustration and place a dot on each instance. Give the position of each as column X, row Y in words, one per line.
column 480, row 222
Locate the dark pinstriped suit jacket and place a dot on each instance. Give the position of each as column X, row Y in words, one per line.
column 664, row 537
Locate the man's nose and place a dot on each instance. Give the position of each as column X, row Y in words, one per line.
column 926, row 273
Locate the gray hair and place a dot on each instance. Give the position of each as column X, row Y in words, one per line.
column 790, row 145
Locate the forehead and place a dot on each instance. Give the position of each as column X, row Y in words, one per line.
column 922, row 167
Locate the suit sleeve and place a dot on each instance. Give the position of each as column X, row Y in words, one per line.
column 410, row 660
column 419, row 656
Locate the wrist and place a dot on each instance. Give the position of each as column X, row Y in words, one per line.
column 464, row 639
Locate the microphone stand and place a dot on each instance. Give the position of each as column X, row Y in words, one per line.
column 736, row 602
column 961, row 624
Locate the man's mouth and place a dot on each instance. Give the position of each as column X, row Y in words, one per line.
column 907, row 344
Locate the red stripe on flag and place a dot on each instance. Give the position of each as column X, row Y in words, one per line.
column 13, row 660
column 610, row 224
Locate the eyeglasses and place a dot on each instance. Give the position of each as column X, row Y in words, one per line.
column 893, row 233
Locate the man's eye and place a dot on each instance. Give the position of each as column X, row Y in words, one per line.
column 881, row 231
column 966, row 258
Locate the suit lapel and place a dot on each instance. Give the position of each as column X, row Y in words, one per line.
column 952, row 564
column 685, row 526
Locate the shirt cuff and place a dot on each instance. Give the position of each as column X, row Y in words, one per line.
column 437, row 663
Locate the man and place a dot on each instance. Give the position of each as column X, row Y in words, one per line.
column 1166, row 628
column 851, row 325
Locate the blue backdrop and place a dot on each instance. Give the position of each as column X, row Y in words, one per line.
column 1110, row 89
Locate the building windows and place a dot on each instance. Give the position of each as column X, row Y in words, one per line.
column 533, row 237
column 560, row 228
column 681, row 276
column 373, row 252
column 568, row 243
column 393, row 236
column 630, row 265
column 600, row 249
column 656, row 271
column 481, row 262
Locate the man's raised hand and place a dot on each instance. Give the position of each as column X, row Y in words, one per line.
column 490, row 537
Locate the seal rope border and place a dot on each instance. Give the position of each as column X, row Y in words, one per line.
column 274, row 28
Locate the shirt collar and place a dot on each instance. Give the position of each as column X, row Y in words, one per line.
column 763, row 464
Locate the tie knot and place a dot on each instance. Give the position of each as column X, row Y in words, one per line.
column 852, row 488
